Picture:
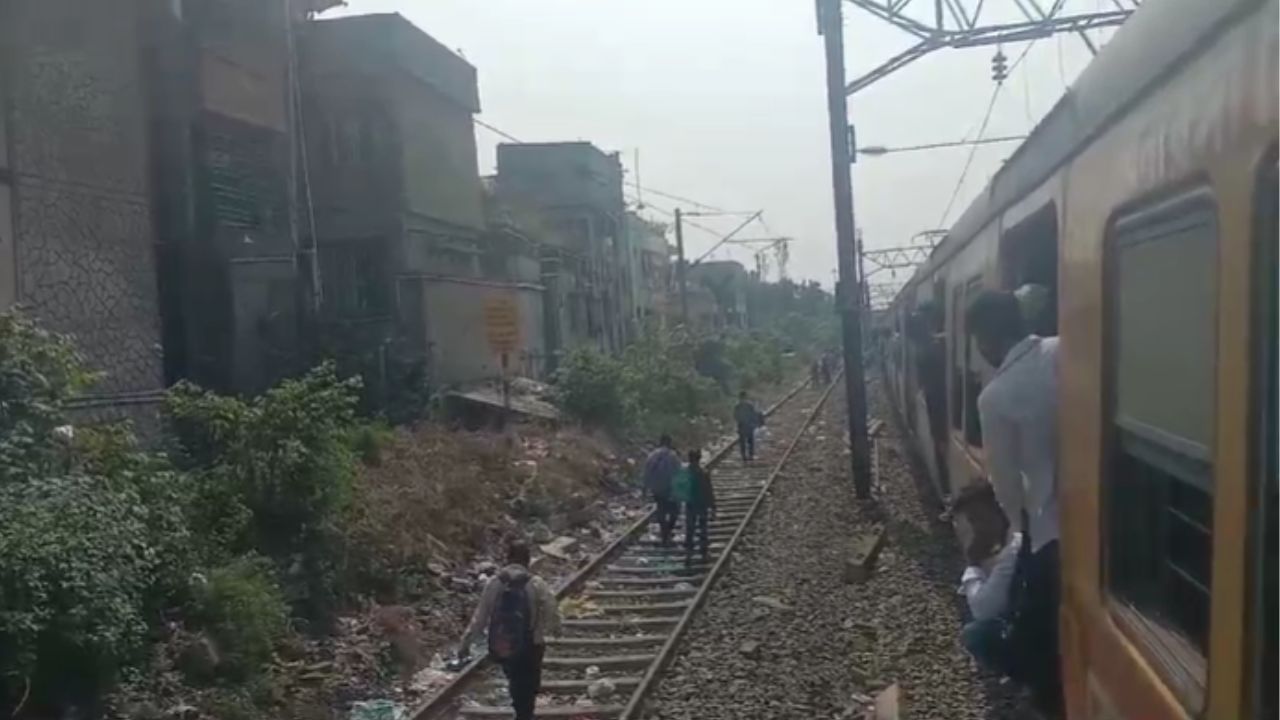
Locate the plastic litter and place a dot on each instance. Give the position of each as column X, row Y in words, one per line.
column 378, row 710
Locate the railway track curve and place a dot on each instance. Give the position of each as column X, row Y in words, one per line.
column 644, row 594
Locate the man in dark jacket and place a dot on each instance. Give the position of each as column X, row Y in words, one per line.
column 659, row 469
column 701, row 505
column 747, row 418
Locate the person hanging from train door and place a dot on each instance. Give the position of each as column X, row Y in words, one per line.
column 931, row 376
column 990, row 579
column 1018, row 409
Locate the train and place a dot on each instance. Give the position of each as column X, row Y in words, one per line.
column 1145, row 204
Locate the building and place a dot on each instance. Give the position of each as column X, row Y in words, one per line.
column 576, row 191
column 236, row 274
column 650, row 269
column 409, row 262
column 77, row 250
column 728, row 282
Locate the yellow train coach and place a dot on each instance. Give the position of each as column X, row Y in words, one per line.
column 1145, row 202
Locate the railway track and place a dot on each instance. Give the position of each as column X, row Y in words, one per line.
column 643, row 594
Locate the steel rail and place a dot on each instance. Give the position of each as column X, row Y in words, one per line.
column 634, row 706
column 443, row 700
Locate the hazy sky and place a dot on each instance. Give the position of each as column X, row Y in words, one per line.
column 725, row 100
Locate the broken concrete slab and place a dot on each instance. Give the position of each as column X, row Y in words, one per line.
column 888, row 704
column 861, row 562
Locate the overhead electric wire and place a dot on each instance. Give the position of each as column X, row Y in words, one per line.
column 982, row 128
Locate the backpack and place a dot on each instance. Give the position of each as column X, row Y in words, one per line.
column 511, row 624
column 682, row 485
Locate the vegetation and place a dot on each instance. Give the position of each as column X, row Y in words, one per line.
column 101, row 542
column 666, row 380
column 263, row 516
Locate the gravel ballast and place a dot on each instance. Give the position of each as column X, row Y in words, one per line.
column 783, row 635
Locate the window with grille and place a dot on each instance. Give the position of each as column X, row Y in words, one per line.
column 1158, row 487
column 356, row 279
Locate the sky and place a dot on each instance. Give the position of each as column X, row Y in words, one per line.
column 725, row 103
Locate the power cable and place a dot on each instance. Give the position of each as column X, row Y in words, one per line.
column 670, row 196
column 982, row 128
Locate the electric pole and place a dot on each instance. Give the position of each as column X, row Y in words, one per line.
column 680, row 271
column 848, row 296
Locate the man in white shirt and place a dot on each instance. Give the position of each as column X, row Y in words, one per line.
column 988, row 580
column 1018, row 409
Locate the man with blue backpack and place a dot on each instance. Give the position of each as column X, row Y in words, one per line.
column 520, row 611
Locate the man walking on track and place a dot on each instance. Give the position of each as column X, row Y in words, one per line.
column 748, row 419
column 659, row 469
column 699, row 505
column 1018, row 410
column 520, row 612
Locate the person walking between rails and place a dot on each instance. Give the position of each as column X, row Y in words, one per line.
column 748, row 418
column 1018, row 411
column 660, row 469
column 693, row 487
column 520, row 611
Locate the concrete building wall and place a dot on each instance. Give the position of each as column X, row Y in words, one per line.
column 438, row 155
column 75, row 224
column 456, row 329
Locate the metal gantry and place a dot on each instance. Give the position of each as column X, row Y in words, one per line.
column 892, row 259
column 971, row 23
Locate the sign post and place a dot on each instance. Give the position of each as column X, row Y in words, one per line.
column 502, row 325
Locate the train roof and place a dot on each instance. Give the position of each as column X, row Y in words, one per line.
column 1146, row 48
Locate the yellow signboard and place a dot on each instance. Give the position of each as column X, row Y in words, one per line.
column 502, row 324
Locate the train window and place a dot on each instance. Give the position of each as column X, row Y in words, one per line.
column 1159, row 481
column 1265, row 532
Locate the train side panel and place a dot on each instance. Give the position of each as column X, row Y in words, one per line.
column 1205, row 131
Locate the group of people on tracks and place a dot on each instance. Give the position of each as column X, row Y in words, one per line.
column 1012, row 580
column 518, row 610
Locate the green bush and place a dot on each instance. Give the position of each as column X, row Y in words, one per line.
column 755, row 359
column 39, row 372
column 588, row 387
column 273, row 474
column 242, row 610
column 76, row 566
column 660, row 385
column 93, row 535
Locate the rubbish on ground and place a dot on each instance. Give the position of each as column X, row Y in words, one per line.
column 771, row 602
column 749, row 648
column 592, row 672
column 579, row 607
column 429, row 680
column 601, row 689
column 378, row 710
column 560, row 547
